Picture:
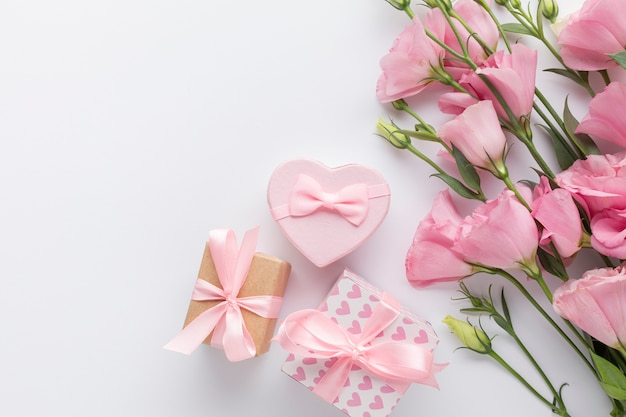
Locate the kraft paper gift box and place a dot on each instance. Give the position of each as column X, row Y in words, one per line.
column 227, row 302
column 351, row 305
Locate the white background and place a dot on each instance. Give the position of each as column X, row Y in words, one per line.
column 129, row 129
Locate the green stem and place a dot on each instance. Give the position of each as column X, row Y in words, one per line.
column 546, row 316
column 532, row 360
column 522, row 380
column 581, row 152
column 605, row 77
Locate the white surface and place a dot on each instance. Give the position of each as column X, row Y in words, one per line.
column 128, row 130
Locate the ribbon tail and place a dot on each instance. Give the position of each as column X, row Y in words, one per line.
column 333, row 381
column 195, row 332
column 235, row 337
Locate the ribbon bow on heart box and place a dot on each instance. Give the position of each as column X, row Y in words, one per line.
column 327, row 213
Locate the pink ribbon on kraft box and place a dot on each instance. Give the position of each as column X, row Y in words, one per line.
column 225, row 320
column 335, row 353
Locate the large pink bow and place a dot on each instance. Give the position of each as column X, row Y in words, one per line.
column 307, row 196
column 310, row 333
column 225, row 319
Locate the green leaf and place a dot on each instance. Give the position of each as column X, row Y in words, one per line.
column 466, row 169
column 457, row 186
column 551, row 264
column 505, row 306
column 563, row 156
column 584, row 141
column 620, row 58
column 613, row 380
column 516, row 28
column 472, row 310
column 578, row 79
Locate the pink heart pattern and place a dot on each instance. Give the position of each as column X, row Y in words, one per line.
column 366, row 384
column 377, row 404
column 355, row 292
column 355, row 328
column 374, row 398
column 399, row 334
column 324, row 236
column 343, row 309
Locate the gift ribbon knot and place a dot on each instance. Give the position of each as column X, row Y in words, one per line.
column 224, row 319
column 310, row 333
column 351, row 202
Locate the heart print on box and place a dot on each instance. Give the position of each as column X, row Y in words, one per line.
column 350, row 303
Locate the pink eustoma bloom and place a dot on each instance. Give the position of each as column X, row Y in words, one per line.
column 501, row 234
column 609, row 233
column 598, row 182
column 408, row 67
column 556, row 211
column 593, row 33
column 512, row 75
column 597, row 304
column 604, row 120
column 482, row 26
column 477, row 134
column 430, row 258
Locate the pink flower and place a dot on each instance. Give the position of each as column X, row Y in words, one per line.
column 558, row 214
column 407, row 68
column 430, row 258
column 501, row 233
column 603, row 121
column 609, row 233
column 478, row 20
column 598, row 182
column 478, row 135
column 513, row 75
column 597, row 304
column 593, row 33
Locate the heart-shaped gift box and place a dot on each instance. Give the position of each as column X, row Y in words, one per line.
column 325, row 212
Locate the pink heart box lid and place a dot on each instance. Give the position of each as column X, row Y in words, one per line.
column 349, row 203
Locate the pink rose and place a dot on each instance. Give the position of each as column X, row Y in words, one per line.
column 608, row 230
column 478, row 135
column 430, row 258
column 593, row 33
column 598, row 182
column 597, row 304
column 513, row 75
column 556, row 211
column 603, row 121
column 501, row 233
column 408, row 66
column 482, row 26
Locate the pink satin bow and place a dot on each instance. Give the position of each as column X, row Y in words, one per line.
column 310, row 333
column 307, row 196
column 225, row 319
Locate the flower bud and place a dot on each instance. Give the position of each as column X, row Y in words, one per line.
column 550, row 10
column 501, row 2
column 391, row 133
column 471, row 337
column 443, row 4
column 516, row 4
column 400, row 4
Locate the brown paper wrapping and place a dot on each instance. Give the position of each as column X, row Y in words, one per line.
column 268, row 275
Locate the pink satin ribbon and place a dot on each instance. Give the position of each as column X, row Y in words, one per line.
column 310, row 333
column 225, row 319
column 308, row 196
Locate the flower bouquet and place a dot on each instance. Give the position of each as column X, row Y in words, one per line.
column 481, row 58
